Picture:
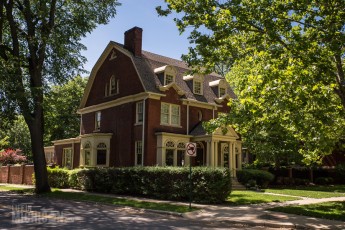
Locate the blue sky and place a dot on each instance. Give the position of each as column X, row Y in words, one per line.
column 160, row 34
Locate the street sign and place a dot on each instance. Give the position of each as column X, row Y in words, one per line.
column 191, row 149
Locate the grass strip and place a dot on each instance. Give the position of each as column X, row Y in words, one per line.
column 252, row 197
column 311, row 191
column 79, row 196
column 326, row 210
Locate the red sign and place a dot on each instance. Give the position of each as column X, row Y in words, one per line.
column 191, row 149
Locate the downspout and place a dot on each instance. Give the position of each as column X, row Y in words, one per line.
column 143, row 132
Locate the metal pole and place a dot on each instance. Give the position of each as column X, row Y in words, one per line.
column 190, row 183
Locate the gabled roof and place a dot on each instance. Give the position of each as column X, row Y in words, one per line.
column 145, row 66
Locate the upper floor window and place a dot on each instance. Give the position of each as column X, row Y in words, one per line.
column 113, row 86
column 166, row 74
column 168, row 79
column 222, row 91
column 198, row 81
column 197, row 87
column 97, row 120
column 139, row 112
column 170, row 114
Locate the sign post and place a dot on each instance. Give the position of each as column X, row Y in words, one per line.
column 191, row 152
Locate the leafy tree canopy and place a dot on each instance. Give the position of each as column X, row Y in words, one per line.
column 287, row 68
column 61, row 104
column 39, row 45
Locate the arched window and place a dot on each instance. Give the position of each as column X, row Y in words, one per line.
column 181, row 150
column 169, row 153
column 101, row 154
column 87, row 154
column 113, row 85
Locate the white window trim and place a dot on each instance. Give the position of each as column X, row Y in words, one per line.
column 137, row 122
column 170, row 115
column 98, row 126
column 64, row 157
column 221, row 95
column 165, row 77
column 201, row 87
column 137, row 143
column 116, row 86
column 106, row 154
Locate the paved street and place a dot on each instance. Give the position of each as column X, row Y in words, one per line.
column 26, row 212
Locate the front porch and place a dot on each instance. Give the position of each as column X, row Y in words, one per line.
column 219, row 149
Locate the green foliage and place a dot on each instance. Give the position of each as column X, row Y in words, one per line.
column 61, row 104
column 286, row 64
column 262, row 178
column 170, row 183
column 58, row 177
column 324, row 180
column 40, row 45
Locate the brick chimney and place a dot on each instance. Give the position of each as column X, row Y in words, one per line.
column 133, row 40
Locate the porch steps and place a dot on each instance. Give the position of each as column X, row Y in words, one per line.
column 237, row 185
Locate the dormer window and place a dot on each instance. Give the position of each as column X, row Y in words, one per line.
column 222, row 91
column 197, row 87
column 166, row 74
column 168, row 79
column 198, row 81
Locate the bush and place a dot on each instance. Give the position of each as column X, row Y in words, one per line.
column 171, row 183
column 261, row 177
column 58, row 177
column 10, row 156
column 324, row 180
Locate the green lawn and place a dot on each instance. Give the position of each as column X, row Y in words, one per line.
column 327, row 210
column 252, row 197
column 56, row 193
column 311, row 191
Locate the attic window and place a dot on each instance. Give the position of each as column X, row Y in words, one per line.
column 113, row 86
column 198, row 81
column 197, row 87
column 222, row 91
column 166, row 74
column 168, row 79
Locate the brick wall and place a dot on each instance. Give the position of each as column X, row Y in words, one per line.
column 21, row 174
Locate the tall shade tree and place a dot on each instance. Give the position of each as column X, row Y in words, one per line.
column 40, row 44
column 60, row 110
column 287, row 66
column 313, row 32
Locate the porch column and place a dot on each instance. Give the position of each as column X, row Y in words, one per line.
column 216, row 154
column 221, row 155
column 233, row 158
column 229, row 155
column 208, row 153
column 239, row 159
column 212, row 154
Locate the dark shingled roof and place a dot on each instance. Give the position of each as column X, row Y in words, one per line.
column 198, row 130
column 150, row 61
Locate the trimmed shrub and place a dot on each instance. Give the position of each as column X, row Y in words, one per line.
column 168, row 183
column 261, row 177
column 324, row 180
column 58, row 177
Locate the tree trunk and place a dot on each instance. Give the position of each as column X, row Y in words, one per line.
column 40, row 166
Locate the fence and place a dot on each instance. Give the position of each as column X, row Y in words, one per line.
column 21, row 174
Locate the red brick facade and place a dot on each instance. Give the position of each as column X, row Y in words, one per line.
column 138, row 76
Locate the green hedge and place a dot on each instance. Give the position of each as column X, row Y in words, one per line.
column 170, row 183
column 261, row 177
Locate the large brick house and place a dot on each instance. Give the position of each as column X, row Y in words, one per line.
column 141, row 108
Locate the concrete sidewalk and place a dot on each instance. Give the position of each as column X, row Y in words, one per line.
column 250, row 215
